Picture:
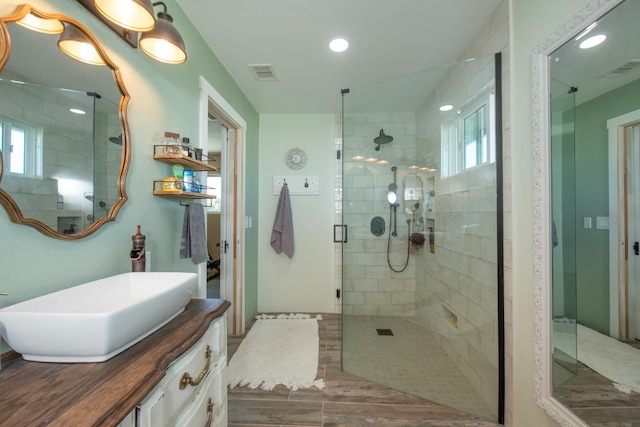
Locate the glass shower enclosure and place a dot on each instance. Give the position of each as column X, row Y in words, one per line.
column 421, row 206
column 563, row 234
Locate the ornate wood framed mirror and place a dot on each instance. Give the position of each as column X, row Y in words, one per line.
column 64, row 136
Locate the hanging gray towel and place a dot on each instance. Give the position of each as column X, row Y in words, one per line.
column 282, row 233
column 193, row 243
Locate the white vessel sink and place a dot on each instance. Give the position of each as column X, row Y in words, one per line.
column 95, row 321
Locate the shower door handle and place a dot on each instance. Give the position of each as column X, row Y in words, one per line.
column 344, row 233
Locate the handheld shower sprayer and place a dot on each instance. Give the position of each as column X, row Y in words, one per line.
column 392, row 198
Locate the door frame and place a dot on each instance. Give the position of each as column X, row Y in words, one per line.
column 621, row 273
column 232, row 285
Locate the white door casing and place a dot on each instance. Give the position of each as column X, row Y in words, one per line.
column 633, row 136
column 624, row 183
column 232, row 280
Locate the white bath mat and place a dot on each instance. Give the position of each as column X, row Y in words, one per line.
column 609, row 357
column 279, row 349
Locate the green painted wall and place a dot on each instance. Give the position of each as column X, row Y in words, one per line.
column 592, row 200
column 163, row 97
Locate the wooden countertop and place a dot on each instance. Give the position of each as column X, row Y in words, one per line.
column 99, row 394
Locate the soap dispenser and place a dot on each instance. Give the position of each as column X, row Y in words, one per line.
column 138, row 258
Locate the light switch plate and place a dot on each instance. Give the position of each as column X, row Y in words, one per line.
column 602, row 222
column 587, row 222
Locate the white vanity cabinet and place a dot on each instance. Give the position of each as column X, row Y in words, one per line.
column 194, row 388
column 177, row 376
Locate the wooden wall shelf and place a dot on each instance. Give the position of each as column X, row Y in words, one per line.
column 160, row 152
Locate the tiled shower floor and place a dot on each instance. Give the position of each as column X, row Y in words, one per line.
column 409, row 361
column 346, row 400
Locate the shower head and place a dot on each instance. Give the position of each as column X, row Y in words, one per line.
column 116, row 139
column 382, row 139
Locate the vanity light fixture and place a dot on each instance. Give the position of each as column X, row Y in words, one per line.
column 164, row 43
column 134, row 15
column 133, row 19
column 77, row 45
column 41, row 25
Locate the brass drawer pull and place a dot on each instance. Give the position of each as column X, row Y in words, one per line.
column 187, row 379
column 209, row 413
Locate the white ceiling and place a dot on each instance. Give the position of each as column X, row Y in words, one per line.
column 388, row 38
column 589, row 70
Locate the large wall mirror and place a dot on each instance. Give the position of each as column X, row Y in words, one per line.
column 64, row 138
column 586, row 134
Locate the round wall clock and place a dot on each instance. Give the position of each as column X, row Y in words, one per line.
column 296, row 158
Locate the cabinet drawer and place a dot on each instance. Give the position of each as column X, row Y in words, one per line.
column 209, row 407
column 150, row 412
column 189, row 373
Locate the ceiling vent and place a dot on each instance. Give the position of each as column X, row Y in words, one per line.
column 623, row 69
column 263, row 72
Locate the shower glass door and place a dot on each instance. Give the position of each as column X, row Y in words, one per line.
column 563, row 238
column 422, row 265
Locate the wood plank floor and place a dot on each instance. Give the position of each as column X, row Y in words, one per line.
column 593, row 398
column 346, row 400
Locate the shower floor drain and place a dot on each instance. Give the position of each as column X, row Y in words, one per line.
column 384, row 331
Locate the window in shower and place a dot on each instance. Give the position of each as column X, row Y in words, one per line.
column 467, row 139
column 19, row 143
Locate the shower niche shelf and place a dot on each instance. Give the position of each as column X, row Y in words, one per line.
column 450, row 317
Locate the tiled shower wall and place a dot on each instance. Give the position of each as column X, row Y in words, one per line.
column 456, row 292
column 370, row 287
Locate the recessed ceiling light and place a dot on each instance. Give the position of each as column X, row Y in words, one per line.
column 77, row 111
column 592, row 41
column 447, row 107
column 338, row 45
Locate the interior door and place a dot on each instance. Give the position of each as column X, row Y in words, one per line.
column 633, row 135
column 232, row 259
